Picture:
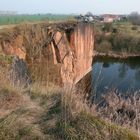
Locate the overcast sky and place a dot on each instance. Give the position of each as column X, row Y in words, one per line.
column 71, row 6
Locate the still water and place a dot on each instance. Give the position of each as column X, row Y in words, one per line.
column 116, row 74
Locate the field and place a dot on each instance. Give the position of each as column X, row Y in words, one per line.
column 16, row 19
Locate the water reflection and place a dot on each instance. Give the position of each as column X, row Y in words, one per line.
column 123, row 75
column 123, row 68
column 137, row 75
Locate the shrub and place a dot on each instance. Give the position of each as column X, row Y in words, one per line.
column 114, row 30
column 134, row 28
column 107, row 27
column 104, row 46
column 125, row 42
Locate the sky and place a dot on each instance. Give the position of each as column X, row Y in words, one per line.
column 71, row 6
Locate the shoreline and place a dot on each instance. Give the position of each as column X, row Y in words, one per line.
column 115, row 55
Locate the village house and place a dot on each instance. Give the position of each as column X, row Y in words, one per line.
column 108, row 18
column 85, row 18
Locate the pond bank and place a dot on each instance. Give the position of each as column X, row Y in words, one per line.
column 122, row 55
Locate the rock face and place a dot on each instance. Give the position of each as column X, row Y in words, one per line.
column 19, row 72
column 60, row 53
column 75, row 52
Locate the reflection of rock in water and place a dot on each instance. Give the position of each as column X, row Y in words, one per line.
column 123, row 68
column 84, row 86
column 19, row 73
column 106, row 65
column 137, row 75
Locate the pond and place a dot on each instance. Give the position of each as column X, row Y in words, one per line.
column 115, row 74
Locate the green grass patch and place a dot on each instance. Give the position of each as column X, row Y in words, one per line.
column 5, row 59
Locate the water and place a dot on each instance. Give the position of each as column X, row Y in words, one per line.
column 115, row 74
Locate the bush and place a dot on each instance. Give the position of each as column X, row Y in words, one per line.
column 107, row 27
column 104, row 46
column 114, row 30
column 134, row 28
column 125, row 42
column 117, row 42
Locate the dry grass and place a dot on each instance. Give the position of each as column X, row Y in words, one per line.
column 19, row 115
column 22, row 109
column 47, row 112
column 122, row 111
column 53, row 113
column 81, row 122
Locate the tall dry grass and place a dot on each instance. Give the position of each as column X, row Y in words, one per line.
column 50, row 112
column 124, row 111
column 80, row 121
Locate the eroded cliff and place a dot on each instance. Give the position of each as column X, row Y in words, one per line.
column 60, row 53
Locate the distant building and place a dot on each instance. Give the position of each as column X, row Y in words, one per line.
column 85, row 18
column 123, row 17
column 8, row 12
column 108, row 18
